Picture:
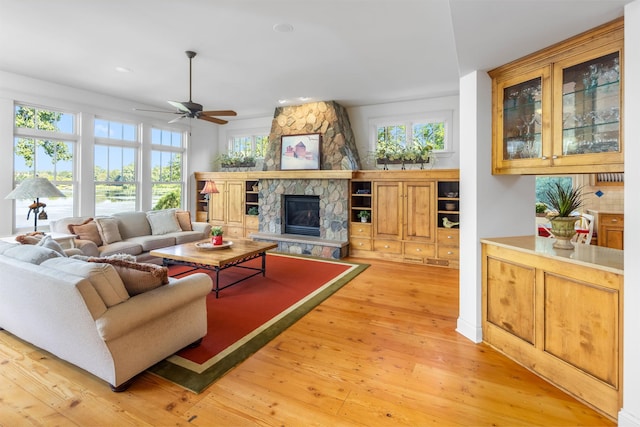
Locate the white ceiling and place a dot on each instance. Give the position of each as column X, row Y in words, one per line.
column 356, row 52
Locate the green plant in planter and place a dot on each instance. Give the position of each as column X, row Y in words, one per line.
column 364, row 216
column 563, row 200
column 252, row 211
column 217, row 231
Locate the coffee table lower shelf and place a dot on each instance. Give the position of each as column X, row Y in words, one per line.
column 237, row 263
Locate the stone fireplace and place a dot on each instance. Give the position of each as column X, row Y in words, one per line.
column 338, row 153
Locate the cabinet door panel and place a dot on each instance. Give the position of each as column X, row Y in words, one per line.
column 581, row 324
column 388, row 211
column 216, row 203
column 418, row 211
column 235, row 202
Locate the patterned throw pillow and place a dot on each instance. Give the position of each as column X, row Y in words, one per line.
column 88, row 230
column 137, row 277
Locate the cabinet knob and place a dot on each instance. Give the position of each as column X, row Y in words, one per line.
column 359, row 229
column 386, row 246
column 544, row 157
column 418, row 250
column 614, row 220
column 449, row 253
column 360, row 244
column 554, row 157
column 449, row 237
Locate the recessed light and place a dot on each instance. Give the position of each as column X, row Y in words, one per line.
column 283, row 28
column 282, row 101
column 123, row 69
column 304, row 98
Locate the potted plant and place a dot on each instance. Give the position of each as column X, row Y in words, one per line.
column 253, row 210
column 364, row 216
column 563, row 201
column 541, row 209
column 216, row 235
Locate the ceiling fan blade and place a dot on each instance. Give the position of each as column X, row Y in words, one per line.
column 219, row 113
column 213, row 120
column 179, row 105
column 156, row 111
column 177, row 119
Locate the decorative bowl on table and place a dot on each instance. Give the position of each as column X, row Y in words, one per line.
column 208, row 246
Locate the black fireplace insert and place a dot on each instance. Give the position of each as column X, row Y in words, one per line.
column 302, row 215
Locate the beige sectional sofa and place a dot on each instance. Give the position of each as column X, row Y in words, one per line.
column 135, row 233
column 83, row 313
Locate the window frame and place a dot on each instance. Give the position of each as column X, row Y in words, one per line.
column 162, row 148
column 247, row 133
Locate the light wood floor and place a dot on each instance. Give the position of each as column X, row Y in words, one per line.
column 381, row 351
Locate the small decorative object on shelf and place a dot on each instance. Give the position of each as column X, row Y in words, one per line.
column 364, row 216
column 253, row 210
column 449, row 224
column 563, row 201
column 216, row 235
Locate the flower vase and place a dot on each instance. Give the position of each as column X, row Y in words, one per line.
column 216, row 240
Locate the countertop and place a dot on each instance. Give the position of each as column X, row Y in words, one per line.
column 607, row 259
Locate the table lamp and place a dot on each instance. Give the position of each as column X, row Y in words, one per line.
column 209, row 189
column 34, row 188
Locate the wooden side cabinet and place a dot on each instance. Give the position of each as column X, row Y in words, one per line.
column 611, row 230
column 559, row 319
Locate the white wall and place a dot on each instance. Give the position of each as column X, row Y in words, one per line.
column 16, row 88
column 490, row 206
column 630, row 413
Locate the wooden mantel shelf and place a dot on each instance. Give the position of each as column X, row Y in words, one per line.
column 293, row 174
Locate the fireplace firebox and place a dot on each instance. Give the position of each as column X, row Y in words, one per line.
column 302, row 215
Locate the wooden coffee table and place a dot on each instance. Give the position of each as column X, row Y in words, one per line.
column 239, row 252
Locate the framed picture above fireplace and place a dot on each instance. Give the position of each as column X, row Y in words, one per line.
column 300, row 152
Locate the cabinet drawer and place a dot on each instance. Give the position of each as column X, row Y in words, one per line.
column 234, row 232
column 418, row 250
column 360, row 244
column 387, row 246
column 251, row 221
column 448, row 252
column 611, row 219
column 448, row 236
column 360, row 230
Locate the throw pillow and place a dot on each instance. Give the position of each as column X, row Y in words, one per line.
column 88, row 230
column 48, row 242
column 163, row 222
column 137, row 277
column 184, row 219
column 108, row 230
column 30, row 238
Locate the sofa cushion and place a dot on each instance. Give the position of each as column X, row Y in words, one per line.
column 88, row 230
column 124, row 247
column 186, row 236
column 132, row 224
column 149, row 243
column 48, row 242
column 31, row 253
column 184, row 219
column 108, row 229
column 163, row 222
column 104, row 278
column 137, row 277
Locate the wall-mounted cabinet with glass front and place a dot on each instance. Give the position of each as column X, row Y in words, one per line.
column 560, row 110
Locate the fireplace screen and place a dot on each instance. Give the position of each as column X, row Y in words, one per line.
column 302, row 215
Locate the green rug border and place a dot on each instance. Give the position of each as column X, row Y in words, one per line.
column 198, row 382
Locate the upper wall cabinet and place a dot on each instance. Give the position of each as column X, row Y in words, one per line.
column 560, row 110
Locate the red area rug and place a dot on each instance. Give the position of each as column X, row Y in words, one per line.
column 251, row 313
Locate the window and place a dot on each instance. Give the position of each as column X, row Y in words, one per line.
column 115, row 166
column 44, row 145
column 417, row 130
column 252, row 145
column 167, row 180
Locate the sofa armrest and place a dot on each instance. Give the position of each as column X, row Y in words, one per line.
column 140, row 309
column 203, row 227
column 87, row 247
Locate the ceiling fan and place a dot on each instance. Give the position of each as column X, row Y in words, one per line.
column 192, row 109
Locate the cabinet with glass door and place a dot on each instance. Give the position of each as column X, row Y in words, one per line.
column 560, row 109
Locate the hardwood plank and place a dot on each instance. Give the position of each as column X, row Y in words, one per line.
column 381, row 351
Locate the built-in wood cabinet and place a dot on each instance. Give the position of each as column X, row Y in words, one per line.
column 559, row 315
column 560, row 110
column 611, row 230
column 405, row 207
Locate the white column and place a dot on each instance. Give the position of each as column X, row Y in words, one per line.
column 490, row 206
column 630, row 413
